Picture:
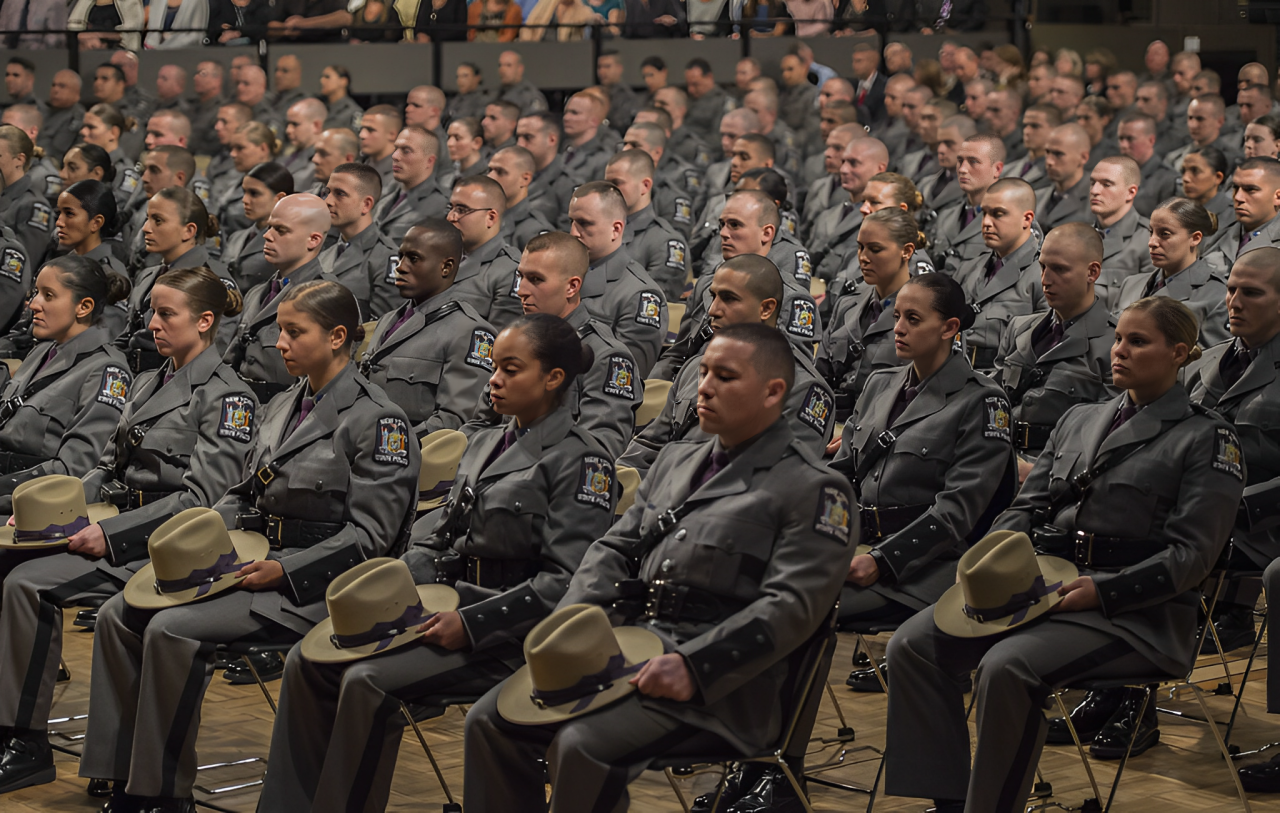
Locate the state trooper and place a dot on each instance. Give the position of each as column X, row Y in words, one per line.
column 744, row 290
column 471, row 99
column 763, row 102
column 1048, row 363
column 1003, row 281
column 363, row 259
column 678, row 189
column 1256, row 196
column 433, row 354
column 697, row 698
column 1163, row 478
column 221, row 171
column 293, row 240
column 420, row 196
column 708, row 102
column 331, row 475
column 16, row 276
column 552, row 185
column 1177, row 229
column 1137, row 135
column 617, row 290
column 751, row 151
column 515, row 88
column 827, row 191
column 1066, row 199
column 512, row 168
column 649, row 238
column 1038, row 121
column 1112, row 186
column 22, row 208
column 942, row 188
column 264, row 186
column 956, row 234
column 833, row 240
column 585, row 149
column 288, row 84
column 303, row 127
column 929, row 452
column 487, row 277
column 682, row 140
column 181, row 441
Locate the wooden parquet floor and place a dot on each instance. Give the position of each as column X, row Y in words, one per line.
column 1183, row 773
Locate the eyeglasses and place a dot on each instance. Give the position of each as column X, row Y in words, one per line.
column 462, row 211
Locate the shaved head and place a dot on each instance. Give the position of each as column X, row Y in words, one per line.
column 569, row 254
column 311, row 108
column 1130, row 172
column 1078, row 240
column 764, row 281
column 1016, row 192
column 1073, row 136
column 635, row 163
column 1266, row 260
column 305, row 211
column 872, row 150
column 490, row 191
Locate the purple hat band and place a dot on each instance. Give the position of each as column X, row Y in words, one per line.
column 53, row 532
column 383, row 632
column 202, row 579
column 586, row 689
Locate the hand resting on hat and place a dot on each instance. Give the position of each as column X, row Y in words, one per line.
column 1077, row 596
column 446, row 630
column 863, row 570
column 90, row 542
column 262, row 575
column 666, row 676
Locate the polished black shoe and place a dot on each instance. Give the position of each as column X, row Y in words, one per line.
column 27, row 761
column 270, row 666
column 1235, row 629
column 164, row 805
column 1089, row 717
column 865, row 680
column 121, row 802
column 86, row 619
column 862, row 660
column 1113, row 739
column 772, row 793
column 735, row 787
column 100, row 788
column 1261, row 778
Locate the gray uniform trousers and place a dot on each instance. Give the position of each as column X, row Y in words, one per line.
column 150, row 672
column 600, row 753
column 336, row 735
column 927, row 747
column 1271, row 584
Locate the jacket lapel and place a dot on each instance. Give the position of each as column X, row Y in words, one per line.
column 735, row 478
column 1260, row 373
column 323, row 418
column 1146, row 424
column 934, row 393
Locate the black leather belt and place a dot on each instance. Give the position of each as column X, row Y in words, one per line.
column 141, row 360
column 265, row 390
column 1094, row 550
column 877, row 523
column 499, row 574
column 283, row 532
column 1030, row 436
column 670, row 603
column 982, row 358
column 11, row 462
column 137, row 499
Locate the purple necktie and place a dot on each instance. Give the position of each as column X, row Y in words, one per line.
column 1122, row 417
column 709, row 468
column 168, row 377
column 1157, row 283
column 509, row 439
column 1026, row 168
column 970, row 212
column 1234, row 362
column 404, row 317
column 342, row 247
column 274, row 290
column 905, row 397
column 307, row 405
column 53, row 351
column 399, row 200
column 993, row 267
column 1245, row 237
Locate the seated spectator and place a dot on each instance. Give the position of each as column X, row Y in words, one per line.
column 611, row 11
column 652, row 19
column 167, row 23
column 103, row 19
column 813, row 16
column 495, row 13
column 237, row 22
column 33, row 17
column 441, row 21
column 377, row 21
column 310, row 20
column 771, row 16
column 556, row 21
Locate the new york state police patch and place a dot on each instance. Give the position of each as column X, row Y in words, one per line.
column 833, row 514
column 595, row 484
column 115, row 386
column 237, row 418
column 392, row 442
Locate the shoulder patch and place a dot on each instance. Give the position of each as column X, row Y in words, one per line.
column 52, row 186
column 41, row 216
column 922, row 267
column 800, row 322
column 11, row 263
column 692, row 179
column 790, row 223
column 622, row 377
column 997, row 425
column 595, row 483
column 804, row 266
column 480, row 354
column 649, row 310
column 237, row 418
column 201, row 187
column 1226, row 453
column 129, row 180
column 676, row 253
column 816, row 409
column 393, row 442
column 682, row 211
column 115, row 386
column 833, row 514
column 393, row 262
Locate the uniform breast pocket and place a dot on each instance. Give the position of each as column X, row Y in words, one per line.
column 1061, row 470
column 731, row 556
column 508, row 520
column 412, row 383
column 1124, row 502
column 916, row 466
column 29, row 428
column 322, row 475
column 170, row 440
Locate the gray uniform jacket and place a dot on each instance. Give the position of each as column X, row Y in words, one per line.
column 396, row 216
column 137, row 335
column 524, row 96
column 1014, row 291
column 61, row 129
column 953, row 243
column 1158, row 183
column 619, row 292
column 468, row 105
column 551, row 189
column 1072, row 207
column 253, row 352
column 1178, row 488
column 1198, row 286
column 523, row 222
column 487, row 281
column 17, row 274
column 242, row 252
column 183, row 444
column 686, row 144
column 435, row 365
column 69, row 408
column 351, row 461
column 537, row 508
column 809, row 409
column 834, row 239
column 204, row 115
column 660, row 250
column 822, row 194
column 856, row 346
column 587, row 161
column 1042, row 388
column 1028, row 169
column 367, row 266
column 1252, row 405
column 705, row 112
column 940, row 189
column 300, row 167
column 679, row 192
column 344, row 113
column 949, row 457
column 603, row 400
column 1224, row 245
column 1124, row 254
column 769, row 536
column 30, row 217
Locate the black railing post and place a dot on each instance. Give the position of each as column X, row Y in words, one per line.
column 437, row 64
column 73, row 52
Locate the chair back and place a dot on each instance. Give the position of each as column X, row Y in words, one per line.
column 655, row 398
column 807, row 669
column 675, row 315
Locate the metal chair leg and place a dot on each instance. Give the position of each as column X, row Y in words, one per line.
column 795, row 784
column 1222, row 746
column 261, row 685
column 1244, row 681
column 430, row 756
column 1147, row 699
column 1075, row 737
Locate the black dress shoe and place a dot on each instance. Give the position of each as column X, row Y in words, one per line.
column 1113, row 739
column 100, row 788
column 270, row 666
column 736, row 786
column 772, row 793
column 121, row 802
column 865, row 680
column 86, row 619
column 27, row 761
column 862, row 660
column 1263, row 777
column 160, row 804
column 1235, row 629
column 1089, row 717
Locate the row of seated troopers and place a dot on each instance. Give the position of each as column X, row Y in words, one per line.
column 1025, row 361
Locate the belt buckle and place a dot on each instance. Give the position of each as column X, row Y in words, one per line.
column 274, row 531
column 886, row 438
column 1084, row 548
column 666, row 521
column 135, row 496
column 1025, row 429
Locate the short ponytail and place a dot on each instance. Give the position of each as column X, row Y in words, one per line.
column 88, row 279
column 556, row 344
column 204, row 292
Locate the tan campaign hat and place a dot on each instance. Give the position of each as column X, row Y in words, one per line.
column 1002, row 584
column 374, row 607
column 630, row 480
column 49, row 510
column 575, row 662
column 193, row 556
column 441, row 452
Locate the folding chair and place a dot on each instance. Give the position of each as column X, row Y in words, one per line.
column 430, row 708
